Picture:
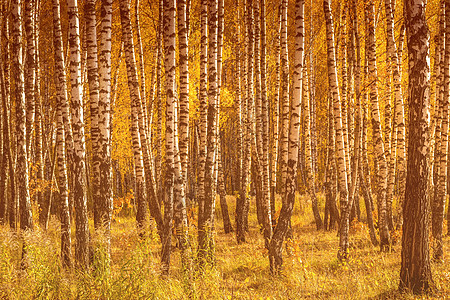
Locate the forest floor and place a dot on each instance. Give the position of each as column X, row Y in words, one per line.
column 311, row 269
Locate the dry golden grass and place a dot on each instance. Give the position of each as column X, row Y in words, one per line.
column 311, row 269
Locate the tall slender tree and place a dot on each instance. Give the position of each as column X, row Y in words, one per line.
column 310, row 176
column 441, row 186
column 93, row 80
column 181, row 124
column 267, row 211
column 203, row 96
column 340, row 148
column 284, row 96
column 26, row 219
column 39, row 119
column 415, row 272
column 378, row 142
column 29, row 71
column 206, row 242
column 275, row 247
column 61, row 142
column 104, row 119
column 79, row 154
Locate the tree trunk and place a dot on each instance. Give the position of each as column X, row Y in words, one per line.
column 267, row 211
column 158, row 168
column 241, row 101
column 340, row 146
column 439, row 201
column 284, row 97
column 182, row 143
column 29, row 72
column 93, row 80
column 377, row 139
column 222, row 194
column 39, row 120
column 79, row 158
column 310, row 174
column 142, row 85
column 203, row 95
column 61, row 153
column 66, row 242
column 5, row 127
column 206, row 228
column 104, row 122
column 275, row 121
column 276, row 243
column 26, row 219
column 415, row 273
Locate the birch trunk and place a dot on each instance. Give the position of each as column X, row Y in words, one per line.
column 39, row 120
column 415, row 273
column 340, row 146
column 104, row 120
column 79, row 154
column 158, row 168
column 93, row 81
column 61, row 143
column 276, row 243
column 5, row 125
column 26, row 219
column 276, row 120
column 206, row 230
column 439, row 202
column 133, row 86
column 377, row 136
column 29, row 72
column 203, row 111
column 240, row 231
column 142, row 85
column 181, row 124
column 267, row 211
column 284, row 96
column 66, row 242
column 310, row 174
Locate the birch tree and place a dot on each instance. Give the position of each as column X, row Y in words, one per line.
column 206, row 228
column 102, row 151
column 79, row 154
column 267, row 211
column 29, row 71
column 378, row 142
column 415, row 272
column 340, row 149
column 439, row 200
column 284, row 96
column 310, row 176
column 61, row 142
column 93, row 80
column 203, row 125
column 144, row 184
column 26, row 218
column 275, row 247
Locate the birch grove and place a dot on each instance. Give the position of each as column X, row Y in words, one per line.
column 212, row 129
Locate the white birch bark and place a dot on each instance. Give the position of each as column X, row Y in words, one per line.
column 61, row 142
column 275, row 247
column 337, row 115
column 79, row 154
column 26, row 218
column 377, row 137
